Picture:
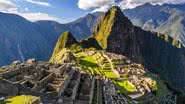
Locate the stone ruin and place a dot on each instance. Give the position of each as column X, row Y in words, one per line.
column 53, row 83
column 66, row 84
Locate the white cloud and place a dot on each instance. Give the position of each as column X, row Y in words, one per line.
column 102, row 9
column 7, row 5
column 26, row 9
column 38, row 2
column 133, row 3
column 38, row 16
column 90, row 4
column 103, row 5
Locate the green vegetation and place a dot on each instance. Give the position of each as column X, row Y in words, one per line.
column 110, row 74
column 23, row 99
column 66, row 40
column 61, row 42
column 126, row 86
column 75, row 48
column 90, row 44
column 103, row 29
column 172, row 41
column 159, row 87
column 90, row 65
column 124, row 75
column 90, row 49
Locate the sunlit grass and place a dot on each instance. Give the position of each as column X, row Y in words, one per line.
column 23, row 99
column 89, row 64
column 110, row 74
column 127, row 85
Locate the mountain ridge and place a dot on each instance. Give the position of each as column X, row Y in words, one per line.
column 155, row 51
column 25, row 35
column 51, row 30
column 159, row 17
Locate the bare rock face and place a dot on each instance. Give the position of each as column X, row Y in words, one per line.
column 159, row 53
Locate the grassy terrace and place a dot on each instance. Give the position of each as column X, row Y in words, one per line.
column 90, row 65
column 97, row 64
column 23, row 99
column 126, row 86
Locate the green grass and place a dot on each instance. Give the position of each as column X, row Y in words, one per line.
column 110, row 74
column 124, row 76
column 23, row 99
column 106, row 68
column 89, row 64
column 103, row 29
column 125, row 86
column 89, row 59
column 160, row 88
column 107, row 65
column 76, row 48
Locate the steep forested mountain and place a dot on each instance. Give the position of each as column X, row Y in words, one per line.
column 158, row 52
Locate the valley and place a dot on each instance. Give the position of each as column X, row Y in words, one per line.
column 119, row 63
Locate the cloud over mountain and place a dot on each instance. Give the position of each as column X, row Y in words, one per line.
column 103, row 5
column 90, row 4
column 7, row 5
column 124, row 4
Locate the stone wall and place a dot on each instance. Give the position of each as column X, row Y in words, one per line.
column 43, row 82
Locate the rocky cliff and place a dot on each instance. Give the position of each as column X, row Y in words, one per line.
column 161, row 54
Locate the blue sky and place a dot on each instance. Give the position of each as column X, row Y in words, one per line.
column 65, row 11
column 58, row 10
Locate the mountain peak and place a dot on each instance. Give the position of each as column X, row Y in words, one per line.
column 68, row 34
column 113, row 24
column 115, row 8
column 64, row 41
column 148, row 4
column 116, row 34
column 114, row 11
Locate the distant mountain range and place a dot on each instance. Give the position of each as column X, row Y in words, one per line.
column 159, row 53
column 168, row 19
column 21, row 39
